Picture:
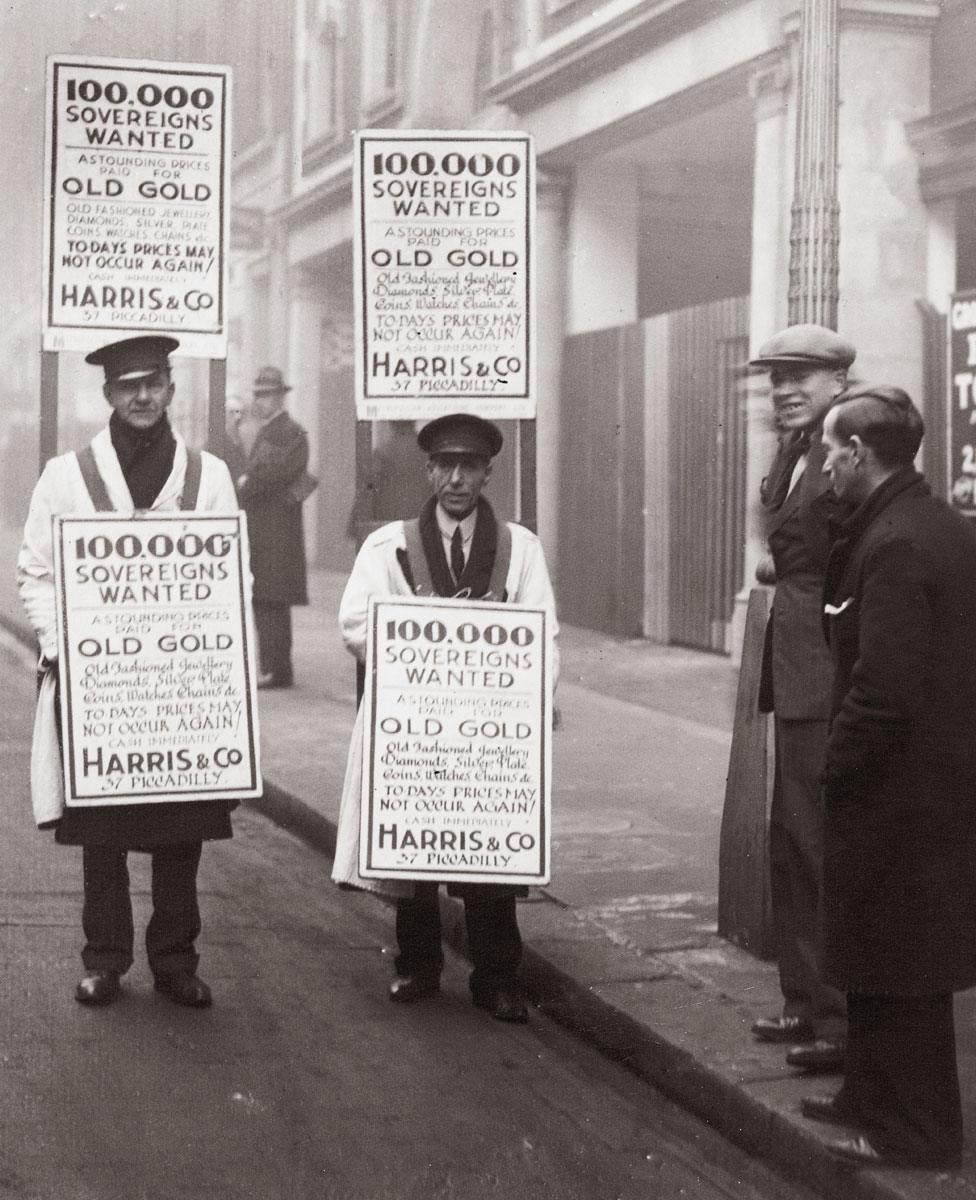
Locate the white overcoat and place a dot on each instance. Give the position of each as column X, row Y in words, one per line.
column 377, row 572
column 60, row 491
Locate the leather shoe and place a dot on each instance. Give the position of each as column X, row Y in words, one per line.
column 820, row 1057
column 862, row 1152
column 268, row 680
column 98, row 987
column 832, row 1110
column 509, row 1005
column 783, row 1029
column 186, row 989
column 407, row 989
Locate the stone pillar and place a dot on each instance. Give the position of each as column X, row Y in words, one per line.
column 815, row 227
column 602, row 247
column 550, row 326
column 886, row 230
column 941, row 253
column 768, row 307
column 279, row 299
column 302, row 372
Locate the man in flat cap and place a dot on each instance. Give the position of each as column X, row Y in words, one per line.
column 272, row 488
column 807, row 367
column 137, row 463
column 456, row 547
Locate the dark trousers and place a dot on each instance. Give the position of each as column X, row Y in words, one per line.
column 107, row 913
column 494, row 941
column 900, row 1076
column 273, row 624
column 796, row 863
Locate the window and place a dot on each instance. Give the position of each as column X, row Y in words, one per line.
column 381, row 51
column 324, row 30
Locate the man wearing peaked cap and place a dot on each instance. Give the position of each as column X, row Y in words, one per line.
column 456, row 547
column 138, row 462
column 807, row 367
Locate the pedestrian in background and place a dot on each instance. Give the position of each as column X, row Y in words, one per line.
column 137, row 463
column 807, row 367
column 899, row 786
column 456, row 547
column 235, row 456
column 274, row 484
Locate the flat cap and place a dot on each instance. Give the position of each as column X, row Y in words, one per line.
column 133, row 358
column 805, row 345
column 269, row 381
column 461, row 433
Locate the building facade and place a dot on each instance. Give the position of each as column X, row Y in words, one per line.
column 664, row 134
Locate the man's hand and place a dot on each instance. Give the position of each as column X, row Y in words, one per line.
column 766, row 570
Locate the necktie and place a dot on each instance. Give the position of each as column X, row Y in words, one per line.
column 457, row 555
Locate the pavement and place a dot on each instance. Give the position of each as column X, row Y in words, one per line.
column 622, row 945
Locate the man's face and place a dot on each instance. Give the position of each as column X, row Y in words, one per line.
column 840, row 461
column 457, row 480
column 801, row 395
column 266, row 404
column 140, row 402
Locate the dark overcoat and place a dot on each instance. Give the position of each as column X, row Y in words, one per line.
column 900, row 771
column 278, row 458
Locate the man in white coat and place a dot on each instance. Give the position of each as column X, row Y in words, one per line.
column 455, row 548
column 137, row 463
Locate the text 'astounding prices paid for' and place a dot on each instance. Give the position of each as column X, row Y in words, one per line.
column 444, row 274
column 457, row 753
column 136, row 191
column 157, row 677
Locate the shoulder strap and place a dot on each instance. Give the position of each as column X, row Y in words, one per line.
column 503, row 560
column 191, row 481
column 423, row 585
column 97, row 491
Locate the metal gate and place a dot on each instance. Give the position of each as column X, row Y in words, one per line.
column 652, row 476
column 707, row 448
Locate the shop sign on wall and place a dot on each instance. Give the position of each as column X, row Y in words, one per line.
column 961, row 405
column 137, row 160
column 157, row 676
column 457, row 752
column 444, row 274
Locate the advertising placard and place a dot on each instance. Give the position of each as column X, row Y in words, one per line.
column 961, row 405
column 444, row 274
column 137, row 162
column 157, row 675
column 457, row 753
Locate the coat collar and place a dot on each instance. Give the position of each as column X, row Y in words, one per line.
column 906, row 479
column 110, row 470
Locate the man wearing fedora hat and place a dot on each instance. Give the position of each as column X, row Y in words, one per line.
column 807, row 367
column 271, row 493
column 137, row 463
column 456, row 547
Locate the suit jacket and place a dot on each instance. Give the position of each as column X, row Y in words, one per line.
column 277, row 459
column 797, row 669
column 900, row 771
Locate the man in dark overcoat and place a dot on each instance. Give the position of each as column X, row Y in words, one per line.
column 807, row 367
column 899, row 786
column 138, row 463
column 270, row 493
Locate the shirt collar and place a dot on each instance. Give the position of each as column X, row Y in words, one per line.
column 447, row 524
